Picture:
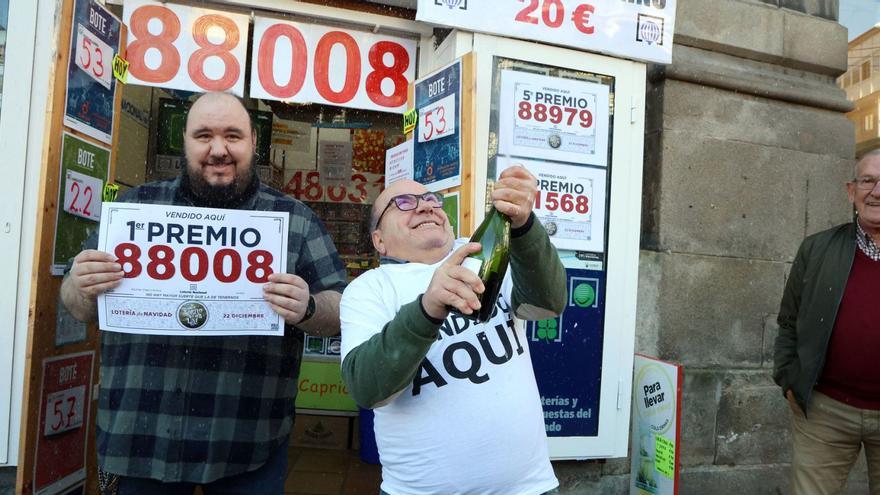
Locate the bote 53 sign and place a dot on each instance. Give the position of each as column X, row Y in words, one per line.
column 182, row 47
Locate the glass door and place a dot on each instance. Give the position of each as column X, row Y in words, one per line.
column 575, row 120
column 17, row 29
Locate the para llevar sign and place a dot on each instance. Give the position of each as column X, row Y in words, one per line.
column 636, row 29
column 655, row 427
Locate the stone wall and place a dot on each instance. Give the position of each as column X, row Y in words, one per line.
column 747, row 150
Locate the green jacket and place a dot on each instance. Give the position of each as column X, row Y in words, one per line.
column 809, row 306
column 386, row 364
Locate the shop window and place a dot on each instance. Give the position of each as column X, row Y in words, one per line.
column 290, row 137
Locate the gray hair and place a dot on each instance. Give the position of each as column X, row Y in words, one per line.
column 874, row 152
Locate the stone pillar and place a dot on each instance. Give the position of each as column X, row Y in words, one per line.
column 747, row 150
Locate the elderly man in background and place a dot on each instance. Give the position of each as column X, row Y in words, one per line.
column 828, row 345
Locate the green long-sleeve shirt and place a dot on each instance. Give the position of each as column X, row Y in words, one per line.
column 380, row 367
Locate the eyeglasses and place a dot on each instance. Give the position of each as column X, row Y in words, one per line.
column 866, row 183
column 407, row 202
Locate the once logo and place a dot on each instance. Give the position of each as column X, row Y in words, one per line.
column 192, row 315
column 584, row 295
column 548, row 329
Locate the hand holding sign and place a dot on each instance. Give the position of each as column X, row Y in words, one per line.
column 287, row 295
column 93, row 273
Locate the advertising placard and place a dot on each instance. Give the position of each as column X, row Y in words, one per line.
column 181, row 47
column 91, row 87
column 192, row 271
column 362, row 187
column 452, row 207
column 567, row 356
column 334, row 163
column 655, row 426
column 640, row 30
column 312, row 63
column 65, row 398
column 399, row 162
column 437, row 147
column 570, row 203
column 84, row 169
column 552, row 118
column 320, row 385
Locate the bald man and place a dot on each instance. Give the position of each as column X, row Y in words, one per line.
column 456, row 404
column 175, row 412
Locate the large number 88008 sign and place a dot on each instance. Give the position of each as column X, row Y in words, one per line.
column 194, row 49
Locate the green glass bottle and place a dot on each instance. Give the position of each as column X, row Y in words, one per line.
column 490, row 264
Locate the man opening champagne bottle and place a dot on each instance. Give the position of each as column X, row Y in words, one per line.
column 456, row 404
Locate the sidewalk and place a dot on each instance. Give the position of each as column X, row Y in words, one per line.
column 316, row 471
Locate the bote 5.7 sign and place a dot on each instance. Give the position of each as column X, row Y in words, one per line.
column 65, row 396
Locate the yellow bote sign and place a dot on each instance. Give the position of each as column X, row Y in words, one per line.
column 656, row 409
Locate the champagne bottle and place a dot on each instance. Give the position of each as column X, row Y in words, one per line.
column 490, row 263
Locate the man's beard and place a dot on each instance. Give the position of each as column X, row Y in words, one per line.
column 220, row 196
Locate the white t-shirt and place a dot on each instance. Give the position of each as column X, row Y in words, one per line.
column 471, row 423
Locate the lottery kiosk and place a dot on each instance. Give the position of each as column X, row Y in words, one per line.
column 345, row 98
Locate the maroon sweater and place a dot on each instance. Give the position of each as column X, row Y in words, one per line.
column 851, row 374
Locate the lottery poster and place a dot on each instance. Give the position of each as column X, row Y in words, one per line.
column 192, row 271
column 437, row 146
column 551, row 118
column 570, row 202
column 62, row 437
column 91, row 87
column 84, row 170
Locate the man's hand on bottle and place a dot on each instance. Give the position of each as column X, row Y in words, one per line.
column 454, row 286
column 514, row 194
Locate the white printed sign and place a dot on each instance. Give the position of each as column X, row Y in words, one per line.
column 438, row 119
column 82, row 195
column 570, row 203
column 640, row 29
column 64, row 410
column 399, row 162
column 552, row 118
column 94, row 56
column 311, row 63
column 182, row 47
column 192, row 271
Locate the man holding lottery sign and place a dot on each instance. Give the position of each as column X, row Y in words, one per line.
column 177, row 411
